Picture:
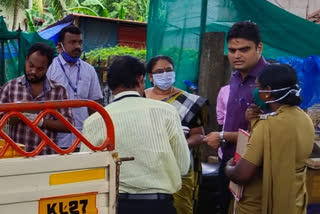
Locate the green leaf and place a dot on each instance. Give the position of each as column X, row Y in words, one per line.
column 30, row 21
column 84, row 10
column 105, row 53
column 121, row 13
column 59, row 7
column 105, row 13
column 92, row 2
column 113, row 14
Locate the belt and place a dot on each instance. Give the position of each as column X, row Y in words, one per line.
column 153, row 196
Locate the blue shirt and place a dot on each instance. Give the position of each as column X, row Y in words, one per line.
column 88, row 87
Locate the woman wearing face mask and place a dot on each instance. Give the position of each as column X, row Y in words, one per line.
column 161, row 73
column 273, row 166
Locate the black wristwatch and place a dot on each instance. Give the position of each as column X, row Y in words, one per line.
column 223, row 142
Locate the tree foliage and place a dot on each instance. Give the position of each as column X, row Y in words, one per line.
column 133, row 9
column 46, row 12
column 103, row 54
column 14, row 6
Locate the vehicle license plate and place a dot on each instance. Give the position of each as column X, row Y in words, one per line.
column 84, row 203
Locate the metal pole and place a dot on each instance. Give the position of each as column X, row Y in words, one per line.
column 19, row 51
column 2, row 71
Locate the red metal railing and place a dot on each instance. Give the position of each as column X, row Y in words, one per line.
column 14, row 109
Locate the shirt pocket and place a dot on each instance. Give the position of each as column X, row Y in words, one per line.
column 83, row 89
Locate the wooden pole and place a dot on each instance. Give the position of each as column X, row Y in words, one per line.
column 213, row 74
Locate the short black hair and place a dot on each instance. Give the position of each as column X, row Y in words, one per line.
column 69, row 29
column 124, row 71
column 280, row 76
column 246, row 30
column 153, row 61
column 44, row 50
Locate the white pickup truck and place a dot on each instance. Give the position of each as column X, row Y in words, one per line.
column 65, row 183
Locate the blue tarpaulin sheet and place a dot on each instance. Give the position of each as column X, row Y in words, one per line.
column 53, row 32
column 308, row 71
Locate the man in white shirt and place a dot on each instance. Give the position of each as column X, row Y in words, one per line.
column 148, row 130
column 78, row 77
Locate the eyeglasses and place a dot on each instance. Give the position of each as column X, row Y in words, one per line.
column 160, row 71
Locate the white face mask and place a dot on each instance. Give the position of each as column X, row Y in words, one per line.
column 297, row 93
column 164, row 80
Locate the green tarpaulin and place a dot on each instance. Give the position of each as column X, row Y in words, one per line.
column 175, row 28
column 14, row 46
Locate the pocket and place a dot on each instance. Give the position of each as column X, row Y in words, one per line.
column 83, row 89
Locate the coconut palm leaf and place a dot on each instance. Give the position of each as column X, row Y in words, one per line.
column 59, row 8
column 14, row 5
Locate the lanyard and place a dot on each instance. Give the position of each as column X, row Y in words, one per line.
column 128, row 95
column 75, row 88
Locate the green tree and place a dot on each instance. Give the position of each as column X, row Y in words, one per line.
column 91, row 7
column 54, row 10
column 59, row 7
column 45, row 12
column 133, row 9
column 143, row 9
column 13, row 5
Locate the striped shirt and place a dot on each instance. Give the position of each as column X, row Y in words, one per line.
column 18, row 90
column 151, row 132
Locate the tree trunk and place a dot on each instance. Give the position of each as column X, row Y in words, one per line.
column 29, row 4
column 15, row 14
column 40, row 6
column 307, row 9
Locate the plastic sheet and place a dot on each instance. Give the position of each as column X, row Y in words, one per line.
column 308, row 71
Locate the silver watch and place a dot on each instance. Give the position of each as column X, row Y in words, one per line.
column 223, row 142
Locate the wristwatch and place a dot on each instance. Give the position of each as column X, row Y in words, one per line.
column 223, row 142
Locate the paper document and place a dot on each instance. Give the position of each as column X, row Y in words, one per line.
column 242, row 142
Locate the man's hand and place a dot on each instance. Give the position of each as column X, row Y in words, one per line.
column 231, row 162
column 32, row 117
column 229, row 169
column 212, row 139
column 14, row 120
column 252, row 112
column 186, row 130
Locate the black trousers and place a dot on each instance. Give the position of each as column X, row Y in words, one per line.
column 163, row 206
column 225, row 194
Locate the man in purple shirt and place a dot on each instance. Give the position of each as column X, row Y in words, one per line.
column 244, row 54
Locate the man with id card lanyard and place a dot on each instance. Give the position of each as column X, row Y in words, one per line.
column 78, row 77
